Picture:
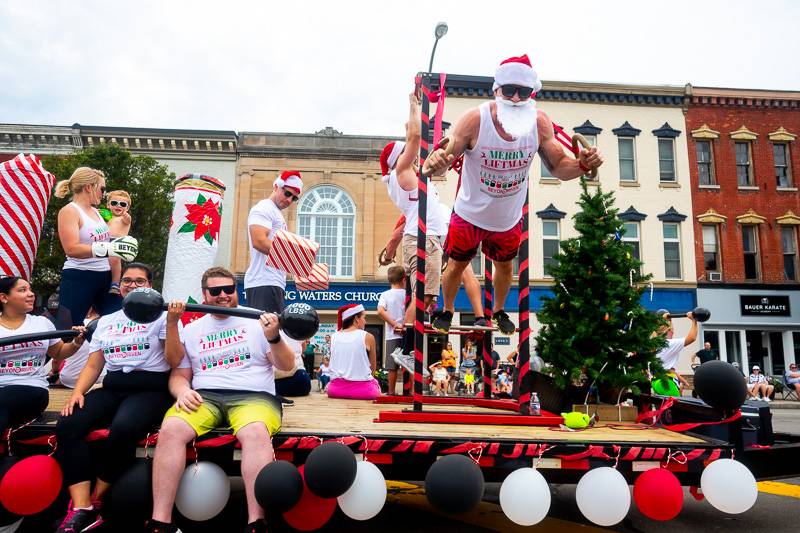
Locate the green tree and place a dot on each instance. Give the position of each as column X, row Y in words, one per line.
column 595, row 323
column 151, row 187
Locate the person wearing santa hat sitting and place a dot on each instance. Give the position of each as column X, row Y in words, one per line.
column 498, row 140
column 353, row 359
column 264, row 285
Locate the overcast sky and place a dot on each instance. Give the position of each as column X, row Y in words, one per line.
column 298, row 66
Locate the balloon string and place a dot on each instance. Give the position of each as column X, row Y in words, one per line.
column 14, row 430
column 675, row 457
column 617, row 449
column 366, row 444
column 478, row 448
column 544, row 448
column 196, row 455
column 146, row 442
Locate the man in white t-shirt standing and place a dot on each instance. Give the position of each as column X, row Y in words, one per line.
column 225, row 380
column 264, row 285
column 671, row 353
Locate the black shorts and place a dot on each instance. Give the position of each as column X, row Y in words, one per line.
column 267, row 298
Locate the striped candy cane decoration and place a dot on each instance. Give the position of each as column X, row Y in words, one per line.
column 488, row 304
column 521, row 385
column 24, row 195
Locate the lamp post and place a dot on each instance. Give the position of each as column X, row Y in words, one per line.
column 441, row 31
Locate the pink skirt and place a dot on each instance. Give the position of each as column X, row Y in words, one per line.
column 354, row 390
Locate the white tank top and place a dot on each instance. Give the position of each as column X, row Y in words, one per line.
column 408, row 203
column 90, row 231
column 349, row 359
column 495, row 177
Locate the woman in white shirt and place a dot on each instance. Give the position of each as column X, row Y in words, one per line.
column 23, row 375
column 353, row 359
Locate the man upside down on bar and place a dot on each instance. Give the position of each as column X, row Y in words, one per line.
column 498, row 140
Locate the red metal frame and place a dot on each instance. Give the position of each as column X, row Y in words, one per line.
column 488, row 419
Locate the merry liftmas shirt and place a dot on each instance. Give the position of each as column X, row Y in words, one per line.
column 23, row 363
column 127, row 345
column 494, row 178
column 228, row 354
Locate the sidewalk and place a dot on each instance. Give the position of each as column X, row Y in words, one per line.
column 784, row 404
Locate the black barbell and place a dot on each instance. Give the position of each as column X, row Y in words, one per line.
column 47, row 335
column 701, row 314
column 298, row 320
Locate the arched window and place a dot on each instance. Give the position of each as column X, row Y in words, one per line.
column 326, row 214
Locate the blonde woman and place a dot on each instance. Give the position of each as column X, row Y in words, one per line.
column 87, row 243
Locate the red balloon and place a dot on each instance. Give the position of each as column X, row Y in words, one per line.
column 658, row 494
column 31, row 485
column 311, row 512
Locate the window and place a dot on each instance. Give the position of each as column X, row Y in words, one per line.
column 705, row 167
column 780, row 152
column 627, row 160
column 744, row 173
column 591, row 139
column 550, row 244
column 326, row 215
column 666, row 160
column 711, row 261
column 672, row 250
column 750, row 250
column 631, row 238
column 789, row 243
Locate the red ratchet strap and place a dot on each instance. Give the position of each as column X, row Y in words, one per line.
column 437, row 97
column 669, row 402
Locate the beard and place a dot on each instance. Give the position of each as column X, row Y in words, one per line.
column 517, row 118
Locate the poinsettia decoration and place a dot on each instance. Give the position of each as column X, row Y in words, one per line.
column 190, row 316
column 203, row 218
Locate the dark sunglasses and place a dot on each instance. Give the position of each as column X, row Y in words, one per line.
column 118, row 203
column 290, row 194
column 215, row 291
column 510, row 90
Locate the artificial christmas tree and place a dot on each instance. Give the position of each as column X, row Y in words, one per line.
column 595, row 328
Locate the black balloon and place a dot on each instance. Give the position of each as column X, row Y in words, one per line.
column 454, row 484
column 330, row 470
column 720, row 385
column 6, row 516
column 132, row 493
column 278, row 486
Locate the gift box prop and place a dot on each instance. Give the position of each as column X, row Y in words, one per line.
column 292, row 253
column 318, row 280
column 25, row 187
column 193, row 237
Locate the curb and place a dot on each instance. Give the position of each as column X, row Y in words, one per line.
column 789, row 404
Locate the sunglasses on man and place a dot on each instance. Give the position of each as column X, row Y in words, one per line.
column 510, row 90
column 290, row 194
column 227, row 289
column 118, row 203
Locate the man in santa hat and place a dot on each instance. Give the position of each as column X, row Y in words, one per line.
column 498, row 140
column 264, row 285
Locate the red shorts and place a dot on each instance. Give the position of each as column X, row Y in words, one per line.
column 463, row 239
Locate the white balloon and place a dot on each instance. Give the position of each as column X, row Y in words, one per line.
column 525, row 496
column 729, row 486
column 367, row 495
column 203, row 491
column 603, row 496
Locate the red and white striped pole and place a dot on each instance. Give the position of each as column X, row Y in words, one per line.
column 522, row 390
column 488, row 305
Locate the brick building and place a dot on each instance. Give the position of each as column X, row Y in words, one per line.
column 744, row 171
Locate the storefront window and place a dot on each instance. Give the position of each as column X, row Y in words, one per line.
column 733, row 347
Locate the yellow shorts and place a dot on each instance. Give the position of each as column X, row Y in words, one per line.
column 232, row 410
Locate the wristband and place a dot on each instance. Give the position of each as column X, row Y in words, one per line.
column 276, row 340
column 582, row 167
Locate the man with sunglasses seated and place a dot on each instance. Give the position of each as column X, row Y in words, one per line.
column 264, row 285
column 226, row 379
column 498, row 140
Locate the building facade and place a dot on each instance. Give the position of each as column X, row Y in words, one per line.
column 744, row 164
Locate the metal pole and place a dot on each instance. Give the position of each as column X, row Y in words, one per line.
column 422, row 194
column 522, row 390
column 433, row 52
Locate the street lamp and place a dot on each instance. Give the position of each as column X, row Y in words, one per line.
column 441, row 31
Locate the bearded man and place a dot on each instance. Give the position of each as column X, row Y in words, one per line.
column 498, row 140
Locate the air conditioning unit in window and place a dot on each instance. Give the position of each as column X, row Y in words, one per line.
column 714, row 276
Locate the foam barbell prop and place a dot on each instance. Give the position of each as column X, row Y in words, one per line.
column 47, row 335
column 299, row 321
column 701, row 314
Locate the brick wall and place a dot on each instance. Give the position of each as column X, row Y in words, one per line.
column 729, row 200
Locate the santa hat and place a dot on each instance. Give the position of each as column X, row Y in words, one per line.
column 290, row 178
column 347, row 311
column 389, row 155
column 517, row 71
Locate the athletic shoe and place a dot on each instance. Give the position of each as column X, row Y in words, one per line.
column 259, row 526
column 154, row 526
column 443, row 322
column 406, row 361
column 78, row 520
column 766, row 399
column 503, row 323
column 481, row 322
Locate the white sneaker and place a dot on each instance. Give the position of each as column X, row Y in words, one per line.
column 766, row 399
